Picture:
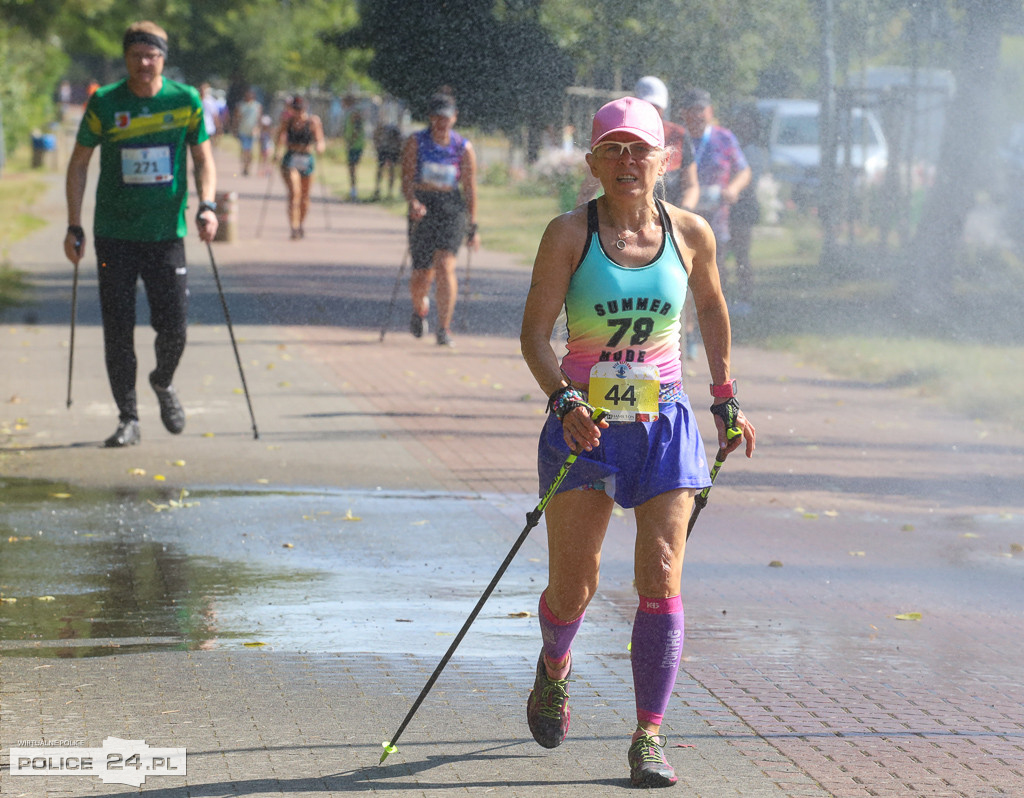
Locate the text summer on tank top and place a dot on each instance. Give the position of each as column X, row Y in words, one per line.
column 625, row 314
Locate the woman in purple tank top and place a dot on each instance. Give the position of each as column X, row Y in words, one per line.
column 439, row 183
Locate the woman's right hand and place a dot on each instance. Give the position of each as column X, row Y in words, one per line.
column 580, row 432
column 417, row 210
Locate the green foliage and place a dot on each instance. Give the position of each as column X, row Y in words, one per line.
column 505, row 71
column 29, row 71
column 725, row 46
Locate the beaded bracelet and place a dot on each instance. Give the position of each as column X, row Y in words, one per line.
column 565, row 400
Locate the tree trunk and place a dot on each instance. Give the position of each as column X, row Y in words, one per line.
column 937, row 249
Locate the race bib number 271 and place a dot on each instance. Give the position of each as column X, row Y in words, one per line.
column 146, row 166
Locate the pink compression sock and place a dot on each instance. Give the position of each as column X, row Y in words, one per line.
column 558, row 634
column 657, row 648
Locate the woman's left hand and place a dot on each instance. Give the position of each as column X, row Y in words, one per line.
column 746, row 432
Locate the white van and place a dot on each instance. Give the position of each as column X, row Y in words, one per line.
column 792, row 131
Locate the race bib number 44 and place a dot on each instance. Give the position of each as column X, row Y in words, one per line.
column 629, row 391
column 146, row 166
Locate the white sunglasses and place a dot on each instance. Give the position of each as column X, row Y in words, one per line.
column 613, row 150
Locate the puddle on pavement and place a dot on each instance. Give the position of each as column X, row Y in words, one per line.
column 90, row 573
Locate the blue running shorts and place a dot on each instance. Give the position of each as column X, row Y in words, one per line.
column 636, row 461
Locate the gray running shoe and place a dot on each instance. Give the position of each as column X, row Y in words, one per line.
column 444, row 338
column 126, row 434
column 647, row 764
column 171, row 411
column 547, row 709
column 416, row 326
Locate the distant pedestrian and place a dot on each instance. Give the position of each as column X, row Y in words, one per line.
column 387, row 141
column 354, row 136
column 139, row 223
column 211, row 113
column 301, row 134
column 246, row 124
column 680, row 180
column 722, row 169
column 439, row 183
column 265, row 134
column 723, row 173
column 749, row 128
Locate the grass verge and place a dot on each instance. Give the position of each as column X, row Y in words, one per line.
column 19, row 191
column 858, row 327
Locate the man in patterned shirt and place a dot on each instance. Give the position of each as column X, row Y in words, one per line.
column 145, row 127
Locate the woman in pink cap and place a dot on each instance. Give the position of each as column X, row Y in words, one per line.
column 620, row 266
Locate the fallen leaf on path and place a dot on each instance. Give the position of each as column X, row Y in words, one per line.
column 856, row 554
column 775, row 564
column 908, row 616
column 254, row 644
column 523, row 614
column 350, row 517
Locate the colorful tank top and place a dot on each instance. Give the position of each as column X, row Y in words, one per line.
column 439, row 167
column 625, row 315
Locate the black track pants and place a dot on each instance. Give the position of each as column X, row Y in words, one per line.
column 161, row 265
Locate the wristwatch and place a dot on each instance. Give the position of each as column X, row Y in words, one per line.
column 206, row 205
column 725, row 391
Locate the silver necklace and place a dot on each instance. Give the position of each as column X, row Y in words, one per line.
column 620, row 242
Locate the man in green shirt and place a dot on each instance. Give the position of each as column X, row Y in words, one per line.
column 145, row 126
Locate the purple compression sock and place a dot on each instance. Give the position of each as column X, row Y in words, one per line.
column 657, row 648
column 558, row 634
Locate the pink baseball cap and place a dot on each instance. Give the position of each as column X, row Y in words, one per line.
column 630, row 115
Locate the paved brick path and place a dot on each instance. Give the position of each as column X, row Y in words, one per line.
column 798, row 679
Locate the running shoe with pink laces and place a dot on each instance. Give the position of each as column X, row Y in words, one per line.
column 547, row 710
column 647, row 764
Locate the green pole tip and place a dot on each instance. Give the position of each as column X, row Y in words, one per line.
column 388, row 749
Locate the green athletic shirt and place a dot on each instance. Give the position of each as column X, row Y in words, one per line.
column 143, row 142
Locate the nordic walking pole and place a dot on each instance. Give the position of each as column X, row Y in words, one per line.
column 463, row 318
column 74, row 312
column 532, row 519
column 266, row 196
column 701, row 499
column 231, row 332
column 394, row 294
